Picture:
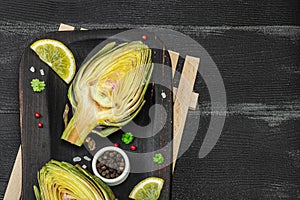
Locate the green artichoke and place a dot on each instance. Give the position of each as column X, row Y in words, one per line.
column 108, row 90
column 63, row 181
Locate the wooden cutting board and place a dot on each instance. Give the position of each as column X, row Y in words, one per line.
column 184, row 92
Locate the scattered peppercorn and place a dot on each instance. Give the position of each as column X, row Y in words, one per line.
column 116, row 144
column 40, row 125
column 132, row 147
column 111, row 164
column 37, row 115
column 144, row 37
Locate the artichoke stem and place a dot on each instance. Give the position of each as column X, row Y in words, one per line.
column 78, row 129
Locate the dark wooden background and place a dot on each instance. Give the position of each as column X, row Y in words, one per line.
column 254, row 43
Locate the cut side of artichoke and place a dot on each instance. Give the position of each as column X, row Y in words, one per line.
column 61, row 181
column 109, row 90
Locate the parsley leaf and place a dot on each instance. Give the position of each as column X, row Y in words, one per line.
column 158, row 158
column 127, row 138
column 37, row 85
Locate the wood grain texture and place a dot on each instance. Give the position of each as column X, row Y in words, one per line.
column 14, row 187
column 248, row 163
column 174, row 56
column 14, row 192
column 9, row 142
column 255, row 46
column 41, row 145
column 274, row 50
column 182, row 100
column 206, row 12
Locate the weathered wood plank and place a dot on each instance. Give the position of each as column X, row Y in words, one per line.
column 252, row 160
column 206, row 12
column 257, row 155
column 256, row 63
column 45, row 139
column 9, row 143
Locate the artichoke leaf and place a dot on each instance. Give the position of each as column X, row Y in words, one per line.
column 109, row 90
column 106, row 131
column 107, row 192
column 61, row 180
column 104, row 50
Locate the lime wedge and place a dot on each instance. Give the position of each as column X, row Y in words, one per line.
column 147, row 189
column 57, row 56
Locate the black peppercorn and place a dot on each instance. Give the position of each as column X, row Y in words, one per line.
column 111, row 164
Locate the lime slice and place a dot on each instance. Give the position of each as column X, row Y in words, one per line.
column 147, row 189
column 57, row 56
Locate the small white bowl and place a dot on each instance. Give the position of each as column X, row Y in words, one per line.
column 119, row 179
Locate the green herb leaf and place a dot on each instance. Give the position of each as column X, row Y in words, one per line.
column 127, row 138
column 158, row 158
column 37, row 85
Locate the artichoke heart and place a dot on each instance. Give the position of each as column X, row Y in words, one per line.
column 108, row 90
column 63, row 181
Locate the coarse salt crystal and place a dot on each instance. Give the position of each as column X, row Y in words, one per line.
column 32, row 69
column 76, row 159
column 87, row 158
column 84, row 166
column 42, row 72
column 163, row 95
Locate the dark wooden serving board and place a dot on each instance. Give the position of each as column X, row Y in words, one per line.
column 39, row 145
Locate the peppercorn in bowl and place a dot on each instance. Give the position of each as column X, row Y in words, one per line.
column 111, row 164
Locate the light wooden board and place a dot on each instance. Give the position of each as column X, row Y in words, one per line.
column 182, row 101
column 14, row 186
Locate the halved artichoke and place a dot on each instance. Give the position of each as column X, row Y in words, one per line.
column 63, row 181
column 109, row 90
